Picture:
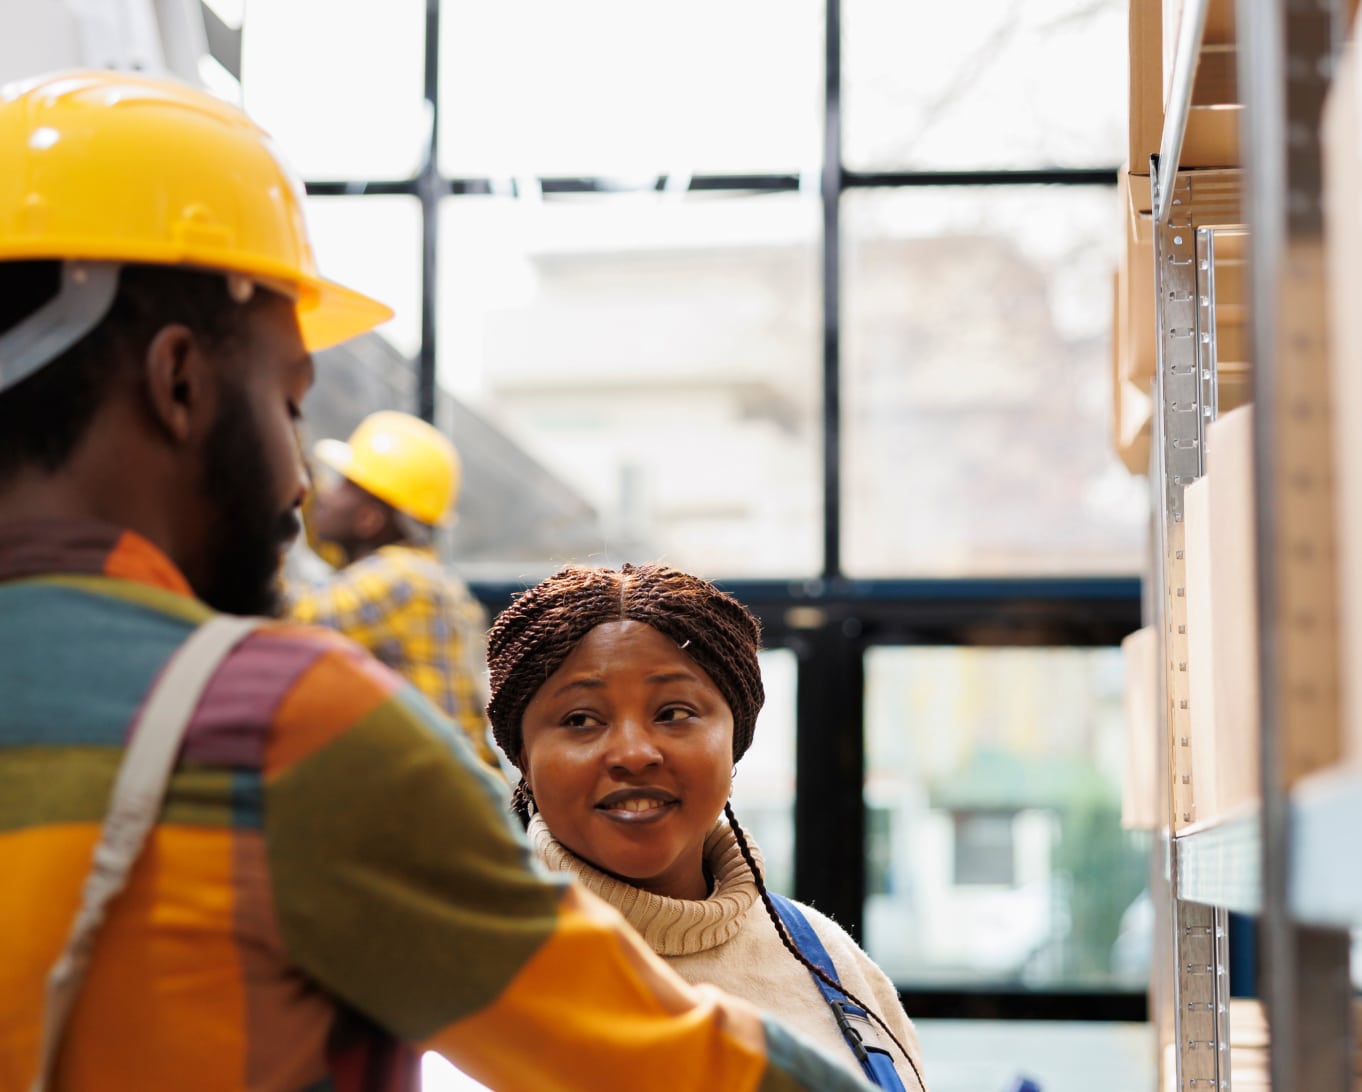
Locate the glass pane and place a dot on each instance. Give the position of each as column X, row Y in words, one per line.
column 339, row 83
column 764, row 786
column 977, row 349
column 991, row 83
column 615, row 87
column 990, row 1055
column 1002, row 862
column 654, row 359
column 373, row 244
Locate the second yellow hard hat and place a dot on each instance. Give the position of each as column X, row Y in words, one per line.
column 400, row 459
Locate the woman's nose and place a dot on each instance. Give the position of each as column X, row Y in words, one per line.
column 632, row 747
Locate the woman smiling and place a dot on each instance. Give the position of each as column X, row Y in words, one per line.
column 625, row 698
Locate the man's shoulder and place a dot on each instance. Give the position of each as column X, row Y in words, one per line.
column 393, row 566
column 297, row 650
column 319, row 684
column 284, row 633
column 419, row 567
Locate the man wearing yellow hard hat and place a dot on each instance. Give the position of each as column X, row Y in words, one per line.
column 236, row 853
column 380, row 497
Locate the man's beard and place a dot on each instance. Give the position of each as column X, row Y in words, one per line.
column 248, row 537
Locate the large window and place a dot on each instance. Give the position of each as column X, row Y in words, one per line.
column 763, row 787
column 867, row 393
column 373, row 243
column 338, row 84
column 977, row 325
column 989, row 84
column 998, row 772
column 658, row 353
column 619, row 89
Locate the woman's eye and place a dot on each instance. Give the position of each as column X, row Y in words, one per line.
column 579, row 720
column 674, row 712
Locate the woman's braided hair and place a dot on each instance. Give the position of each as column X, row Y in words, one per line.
column 793, row 948
column 532, row 637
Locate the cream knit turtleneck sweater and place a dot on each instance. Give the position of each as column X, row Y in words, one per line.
column 728, row 940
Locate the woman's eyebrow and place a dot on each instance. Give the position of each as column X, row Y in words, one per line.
column 671, row 676
column 580, row 684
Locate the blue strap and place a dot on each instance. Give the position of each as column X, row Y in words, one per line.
column 877, row 1064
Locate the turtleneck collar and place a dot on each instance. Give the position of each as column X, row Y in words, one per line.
column 672, row 927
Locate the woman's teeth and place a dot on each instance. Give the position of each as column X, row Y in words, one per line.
column 638, row 804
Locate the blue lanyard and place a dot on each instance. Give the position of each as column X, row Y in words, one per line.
column 876, row 1063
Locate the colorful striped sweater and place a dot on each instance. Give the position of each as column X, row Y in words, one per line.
column 334, row 884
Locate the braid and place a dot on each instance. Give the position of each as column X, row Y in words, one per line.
column 522, row 801
column 793, row 949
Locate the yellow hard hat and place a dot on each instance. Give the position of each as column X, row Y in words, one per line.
column 401, row 460
column 115, row 167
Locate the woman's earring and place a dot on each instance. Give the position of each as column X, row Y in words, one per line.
column 522, row 799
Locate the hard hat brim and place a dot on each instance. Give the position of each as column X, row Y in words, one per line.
column 334, row 454
column 329, row 313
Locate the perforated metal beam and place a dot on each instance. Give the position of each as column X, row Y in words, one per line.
column 1200, row 977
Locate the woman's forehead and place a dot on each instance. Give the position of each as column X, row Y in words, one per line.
column 623, row 642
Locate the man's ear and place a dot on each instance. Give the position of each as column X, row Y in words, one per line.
column 370, row 518
column 177, row 380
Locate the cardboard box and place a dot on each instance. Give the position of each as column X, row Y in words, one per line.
column 1134, row 352
column 1145, row 81
column 1211, row 133
column 1342, row 140
column 1220, row 592
column 1196, row 523
column 1211, row 138
column 1132, row 410
column 1135, row 307
column 1234, row 610
column 1217, row 41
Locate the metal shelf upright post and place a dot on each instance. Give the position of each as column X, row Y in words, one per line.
column 1288, row 48
column 1286, row 855
column 1184, row 400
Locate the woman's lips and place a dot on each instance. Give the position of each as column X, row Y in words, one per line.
column 637, row 805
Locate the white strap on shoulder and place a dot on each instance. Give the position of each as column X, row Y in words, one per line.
column 136, row 802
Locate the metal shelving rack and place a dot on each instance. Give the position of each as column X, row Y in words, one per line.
column 1197, row 984
column 1290, row 860
column 1291, row 47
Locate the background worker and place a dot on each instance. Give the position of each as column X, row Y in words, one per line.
column 378, row 500
column 333, row 882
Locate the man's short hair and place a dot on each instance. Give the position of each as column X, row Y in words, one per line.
column 44, row 417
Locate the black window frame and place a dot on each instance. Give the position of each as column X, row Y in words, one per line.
column 829, row 621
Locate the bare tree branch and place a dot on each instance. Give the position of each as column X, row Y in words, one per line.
column 970, row 68
column 1079, row 15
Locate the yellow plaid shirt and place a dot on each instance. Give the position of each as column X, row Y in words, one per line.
column 418, row 619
